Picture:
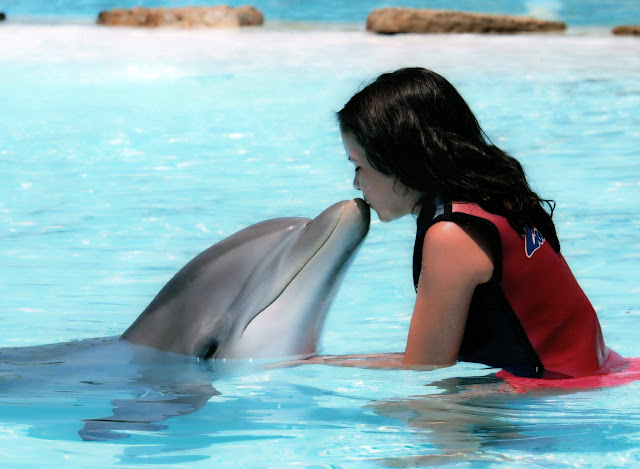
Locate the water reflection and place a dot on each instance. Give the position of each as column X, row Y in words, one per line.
column 471, row 419
column 145, row 386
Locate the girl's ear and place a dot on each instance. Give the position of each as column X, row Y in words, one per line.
column 398, row 187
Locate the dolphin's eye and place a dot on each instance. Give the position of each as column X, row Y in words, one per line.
column 211, row 350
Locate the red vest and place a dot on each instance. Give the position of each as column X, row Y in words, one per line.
column 532, row 318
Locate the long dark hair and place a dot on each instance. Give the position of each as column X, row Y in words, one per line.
column 414, row 125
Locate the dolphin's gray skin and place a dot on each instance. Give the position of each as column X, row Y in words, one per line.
column 263, row 292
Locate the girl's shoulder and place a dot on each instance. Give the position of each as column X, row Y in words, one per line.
column 447, row 242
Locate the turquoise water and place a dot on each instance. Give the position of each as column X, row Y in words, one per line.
column 123, row 153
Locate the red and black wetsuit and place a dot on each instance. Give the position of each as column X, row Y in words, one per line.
column 532, row 318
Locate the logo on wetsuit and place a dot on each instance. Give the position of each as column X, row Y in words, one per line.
column 532, row 240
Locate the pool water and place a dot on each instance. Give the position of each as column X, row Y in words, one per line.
column 126, row 152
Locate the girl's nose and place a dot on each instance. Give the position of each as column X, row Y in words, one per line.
column 356, row 182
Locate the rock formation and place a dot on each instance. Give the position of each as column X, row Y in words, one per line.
column 220, row 16
column 627, row 30
column 413, row 20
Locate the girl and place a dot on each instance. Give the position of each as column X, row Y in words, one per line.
column 492, row 286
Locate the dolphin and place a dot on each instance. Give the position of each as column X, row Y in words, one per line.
column 263, row 292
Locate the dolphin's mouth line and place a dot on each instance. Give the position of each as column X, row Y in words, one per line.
column 293, row 277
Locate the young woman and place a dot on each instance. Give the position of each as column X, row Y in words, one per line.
column 492, row 286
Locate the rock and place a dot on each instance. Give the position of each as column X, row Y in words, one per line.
column 2, row 16
column 627, row 30
column 220, row 16
column 414, row 20
column 249, row 16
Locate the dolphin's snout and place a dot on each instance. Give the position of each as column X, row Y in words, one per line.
column 364, row 208
column 355, row 212
column 308, row 276
column 348, row 220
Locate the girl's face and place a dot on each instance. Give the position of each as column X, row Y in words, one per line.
column 390, row 199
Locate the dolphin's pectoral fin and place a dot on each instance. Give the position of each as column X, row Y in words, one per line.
column 145, row 413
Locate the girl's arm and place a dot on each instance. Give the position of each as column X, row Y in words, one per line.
column 367, row 360
column 455, row 260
